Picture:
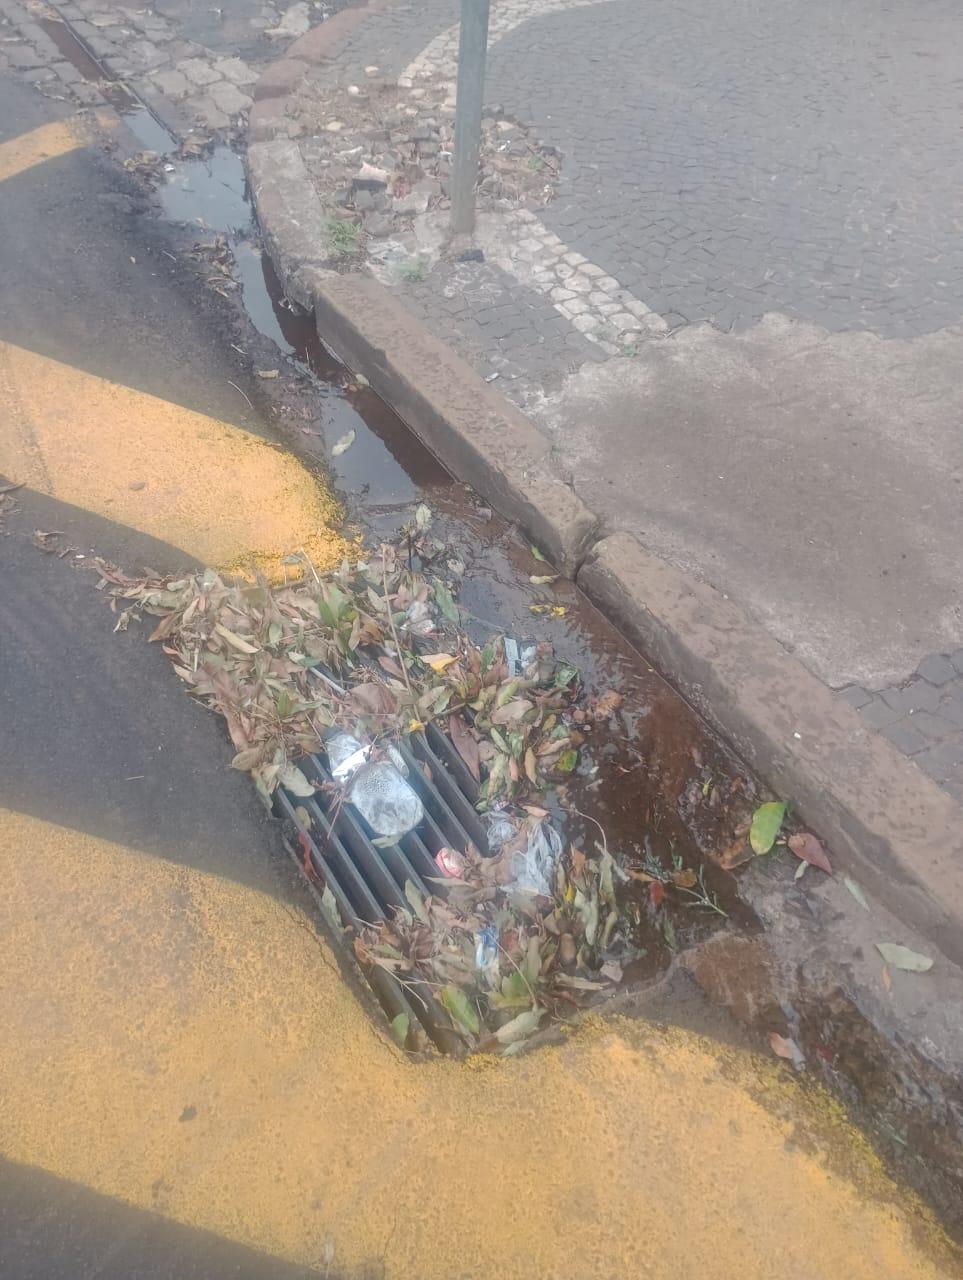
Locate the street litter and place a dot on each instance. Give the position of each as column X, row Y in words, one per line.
column 352, row 665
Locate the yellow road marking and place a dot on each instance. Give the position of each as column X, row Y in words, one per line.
column 208, row 488
column 132, row 988
column 33, row 148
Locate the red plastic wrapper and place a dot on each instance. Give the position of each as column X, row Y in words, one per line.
column 450, row 862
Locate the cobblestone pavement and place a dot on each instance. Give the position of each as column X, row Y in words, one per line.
column 718, row 164
column 193, row 65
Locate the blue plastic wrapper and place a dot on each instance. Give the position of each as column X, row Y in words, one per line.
column 486, row 949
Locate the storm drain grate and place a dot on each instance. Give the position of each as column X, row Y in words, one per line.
column 368, row 881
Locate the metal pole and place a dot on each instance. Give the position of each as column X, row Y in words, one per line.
column 472, row 51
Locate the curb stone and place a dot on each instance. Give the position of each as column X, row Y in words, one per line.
column 897, row 831
column 885, row 820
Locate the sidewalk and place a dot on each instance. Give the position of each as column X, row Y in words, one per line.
column 722, row 275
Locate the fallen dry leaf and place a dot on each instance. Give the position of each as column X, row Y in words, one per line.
column 465, row 744
column 438, row 661
column 805, row 846
column 783, row 1047
column 605, row 705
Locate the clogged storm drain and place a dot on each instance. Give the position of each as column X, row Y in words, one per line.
column 430, row 787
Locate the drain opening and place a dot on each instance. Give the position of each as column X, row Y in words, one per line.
column 367, row 878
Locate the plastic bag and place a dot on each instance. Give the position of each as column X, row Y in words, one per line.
column 500, row 830
column 535, row 864
column 378, row 791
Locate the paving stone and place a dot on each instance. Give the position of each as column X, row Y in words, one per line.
column 905, row 738
column 229, row 98
column 934, row 728
column 198, row 71
column 951, row 708
column 172, row 84
column 937, row 669
column 236, row 70
column 22, row 58
column 878, row 714
column 207, row 110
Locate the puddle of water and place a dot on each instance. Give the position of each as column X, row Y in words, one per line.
column 147, row 129
column 385, row 464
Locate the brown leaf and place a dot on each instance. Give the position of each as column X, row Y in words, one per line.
column 531, row 768
column 465, row 744
column 684, row 879
column 391, row 666
column 735, row 854
column 373, row 699
column 605, row 705
column 783, row 1047
column 808, row 848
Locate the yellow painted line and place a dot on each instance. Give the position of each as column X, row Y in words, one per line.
column 134, row 991
column 33, row 148
column 209, row 488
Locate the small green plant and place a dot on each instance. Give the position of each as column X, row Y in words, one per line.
column 536, row 162
column 703, row 895
column 413, row 269
column 345, row 237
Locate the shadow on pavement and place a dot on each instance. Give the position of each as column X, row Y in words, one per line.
column 98, row 734
column 53, row 1229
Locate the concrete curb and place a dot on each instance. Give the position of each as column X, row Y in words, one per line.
column 899, row 833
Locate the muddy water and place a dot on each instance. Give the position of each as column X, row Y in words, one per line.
column 653, row 777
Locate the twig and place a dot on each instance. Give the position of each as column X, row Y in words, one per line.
column 394, row 634
column 237, row 388
column 310, row 565
column 531, row 990
column 589, row 818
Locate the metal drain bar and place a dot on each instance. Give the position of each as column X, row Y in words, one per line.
column 368, row 882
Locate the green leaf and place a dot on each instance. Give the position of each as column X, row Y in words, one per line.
column 423, row 516
column 902, row 958
column 856, row 891
column 329, row 905
column 446, row 602
column 417, row 903
column 515, row 993
column 399, row 1028
column 567, row 761
column 564, row 677
column 460, row 1008
column 488, row 655
column 766, row 822
column 538, row 555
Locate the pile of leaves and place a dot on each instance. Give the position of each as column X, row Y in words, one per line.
column 391, row 659
column 501, row 959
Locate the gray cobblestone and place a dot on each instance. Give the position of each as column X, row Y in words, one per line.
column 937, row 669
column 905, row 738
